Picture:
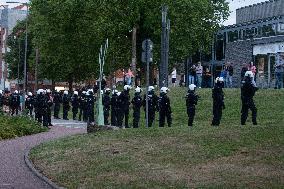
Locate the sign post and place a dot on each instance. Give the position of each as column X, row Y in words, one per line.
column 147, row 57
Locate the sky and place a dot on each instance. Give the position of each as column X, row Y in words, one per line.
column 234, row 4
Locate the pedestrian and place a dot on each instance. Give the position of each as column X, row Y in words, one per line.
column 230, row 73
column 152, row 105
column 120, row 110
column 90, row 106
column 82, row 106
column 252, row 68
column 191, row 102
column 192, row 74
column 248, row 90
column 75, row 104
column 207, row 78
column 66, row 105
column 124, row 102
column 164, row 106
column 15, row 103
column 114, row 107
column 199, row 72
column 29, row 104
column 243, row 71
column 41, row 106
column 106, row 104
column 218, row 101
column 174, row 76
column 279, row 73
column 50, row 104
column 137, row 103
column 57, row 99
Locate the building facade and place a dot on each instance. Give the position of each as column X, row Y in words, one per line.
column 9, row 18
column 257, row 37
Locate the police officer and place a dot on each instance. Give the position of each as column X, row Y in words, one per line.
column 137, row 103
column 124, row 98
column 218, row 101
column 30, row 103
column 90, row 106
column 41, row 105
column 114, row 107
column 66, row 105
column 57, row 99
column 119, row 110
column 82, row 106
column 191, row 101
column 75, row 104
column 49, row 100
column 15, row 103
column 152, row 105
column 106, row 104
column 248, row 90
column 164, row 106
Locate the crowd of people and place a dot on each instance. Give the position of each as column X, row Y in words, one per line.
column 117, row 104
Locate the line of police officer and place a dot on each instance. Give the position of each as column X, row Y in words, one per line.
column 118, row 103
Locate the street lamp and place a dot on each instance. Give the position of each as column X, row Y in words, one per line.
column 26, row 48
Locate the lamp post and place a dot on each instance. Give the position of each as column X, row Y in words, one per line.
column 26, row 48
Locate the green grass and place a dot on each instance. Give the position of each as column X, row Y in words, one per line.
column 11, row 127
column 229, row 156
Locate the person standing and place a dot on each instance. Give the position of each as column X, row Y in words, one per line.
column 164, row 107
column 152, row 105
column 57, row 99
column 15, row 103
column 138, row 78
column 82, row 105
column 192, row 74
column 207, row 78
column 124, row 99
column 243, row 71
column 279, row 70
column 248, row 90
column 90, row 106
column 30, row 103
column 66, row 105
column 41, row 108
column 106, row 104
column 218, row 101
column 75, row 104
column 174, row 76
column 199, row 72
column 230, row 72
column 137, row 103
column 114, row 108
column 191, row 102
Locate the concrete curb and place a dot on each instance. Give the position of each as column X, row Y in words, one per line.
column 37, row 173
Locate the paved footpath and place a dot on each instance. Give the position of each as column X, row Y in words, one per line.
column 14, row 174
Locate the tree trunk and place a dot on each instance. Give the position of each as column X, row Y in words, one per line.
column 70, row 83
column 134, row 51
column 36, row 69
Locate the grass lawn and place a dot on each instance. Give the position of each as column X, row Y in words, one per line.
column 11, row 127
column 229, row 156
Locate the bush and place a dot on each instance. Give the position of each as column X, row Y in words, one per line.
column 11, row 127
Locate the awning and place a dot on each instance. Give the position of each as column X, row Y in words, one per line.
column 271, row 48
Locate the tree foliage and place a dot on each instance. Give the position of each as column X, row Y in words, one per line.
column 69, row 32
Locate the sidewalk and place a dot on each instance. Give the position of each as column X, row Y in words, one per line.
column 13, row 171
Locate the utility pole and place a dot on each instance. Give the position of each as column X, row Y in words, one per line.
column 165, row 36
column 147, row 57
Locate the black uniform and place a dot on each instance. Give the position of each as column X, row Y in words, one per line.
column 114, row 109
column 123, row 103
column 41, row 106
column 218, row 103
column 66, row 106
column 57, row 99
column 247, row 93
column 164, row 110
column 191, row 101
column 15, row 103
column 152, row 105
column 49, row 100
column 30, row 104
column 82, row 107
column 137, row 102
column 90, row 107
column 106, row 104
column 75, row 105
